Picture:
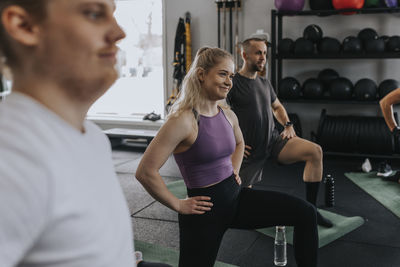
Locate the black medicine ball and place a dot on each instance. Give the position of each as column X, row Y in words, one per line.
column 329, row 45
column 341, row 89
column 365, row 89
column 386, row 86
column 352, row 44
column 313, row 88
column 375, row 45
column 286, row 46
column 367, row 34
column 393, row 44
column 385, row 38
column 313, row 33
column 326, row 76
column 289, row 88
column 303, row 46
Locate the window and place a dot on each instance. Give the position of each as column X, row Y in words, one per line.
column 5, row 83
column 140, row 88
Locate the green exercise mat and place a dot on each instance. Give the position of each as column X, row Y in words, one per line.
column 342, row 226
column 157, row 253
column 386, row 192
column 178, row 188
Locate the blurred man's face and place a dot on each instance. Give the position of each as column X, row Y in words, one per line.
column 256, row 55
column 77, row 46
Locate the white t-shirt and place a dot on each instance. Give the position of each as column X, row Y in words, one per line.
column 60, row 201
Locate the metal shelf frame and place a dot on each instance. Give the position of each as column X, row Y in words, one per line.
column 276, row 37
column 277, row 59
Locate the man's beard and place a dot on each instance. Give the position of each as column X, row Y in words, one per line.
column 256, row 68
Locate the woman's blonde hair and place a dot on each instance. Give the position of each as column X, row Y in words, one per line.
column 189, row 96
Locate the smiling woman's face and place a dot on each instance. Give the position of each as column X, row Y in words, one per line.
column 217, row 82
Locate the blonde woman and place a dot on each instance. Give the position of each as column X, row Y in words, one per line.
column 207, row 144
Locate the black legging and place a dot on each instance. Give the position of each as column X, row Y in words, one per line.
column 245, row 208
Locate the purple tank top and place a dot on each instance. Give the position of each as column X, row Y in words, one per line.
column 208, row 160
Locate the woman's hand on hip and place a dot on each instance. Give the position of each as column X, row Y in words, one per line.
column 237, row 178
column 195, row 205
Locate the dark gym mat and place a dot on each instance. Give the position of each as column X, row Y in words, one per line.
column 385, row 192
column 156, row 253
column 342, row 226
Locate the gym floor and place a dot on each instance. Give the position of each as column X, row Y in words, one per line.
column 375, row 244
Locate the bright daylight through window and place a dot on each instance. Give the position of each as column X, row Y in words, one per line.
column 140, row 88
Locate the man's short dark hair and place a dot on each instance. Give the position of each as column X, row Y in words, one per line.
column 37, row 8
column 246, row 43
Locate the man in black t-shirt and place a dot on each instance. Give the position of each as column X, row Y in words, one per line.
column 255, row 103
column 386, row 105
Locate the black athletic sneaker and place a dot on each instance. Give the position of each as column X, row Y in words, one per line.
column 393, row 178
column 152, row 116
column 384, row 169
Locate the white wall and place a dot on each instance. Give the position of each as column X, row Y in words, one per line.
column 255, row 14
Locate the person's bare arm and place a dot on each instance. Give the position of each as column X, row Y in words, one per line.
column 237, row 156
column 386, row 105
column 172, row 133
column 281, row 115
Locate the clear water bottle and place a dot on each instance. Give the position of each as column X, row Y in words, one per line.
column 280, row 258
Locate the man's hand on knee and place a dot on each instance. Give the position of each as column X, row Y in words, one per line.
column 288, row 133
column 247, row 153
